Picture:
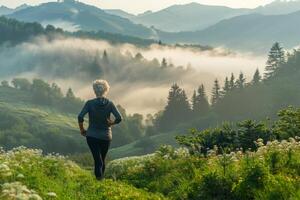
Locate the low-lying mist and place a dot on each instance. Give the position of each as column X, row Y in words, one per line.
column 138, row 83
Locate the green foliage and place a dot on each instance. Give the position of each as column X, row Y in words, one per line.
column 34, row 113
column 200, row 103
column 179, row 175
column 216, row 94
column 227, row 136
column 27, row 174
column 256, row 77
column 176, row 111
column 275, row 59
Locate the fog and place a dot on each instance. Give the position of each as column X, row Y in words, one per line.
column 139, row 85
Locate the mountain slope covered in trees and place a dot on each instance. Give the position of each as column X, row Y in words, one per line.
column 14, row 32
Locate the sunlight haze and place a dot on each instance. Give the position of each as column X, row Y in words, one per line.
column 137, row 6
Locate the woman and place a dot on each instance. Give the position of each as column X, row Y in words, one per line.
column 99, row 134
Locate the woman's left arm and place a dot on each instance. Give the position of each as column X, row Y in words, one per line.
column 117, row 115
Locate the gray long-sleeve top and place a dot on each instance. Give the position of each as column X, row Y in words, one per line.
column 99, row 110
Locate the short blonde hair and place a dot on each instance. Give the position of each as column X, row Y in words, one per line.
column 101, row 87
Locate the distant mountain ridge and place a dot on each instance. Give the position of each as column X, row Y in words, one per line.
column 195, row 17
column 75, row 15
column 119, row 12
column 189, row 17
column 253, row 32
column 6, row 11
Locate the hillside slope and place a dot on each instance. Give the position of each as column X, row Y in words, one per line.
column 254, row 32
column 34, row 126
column 74, row 16
column 26, row 174
column 188, row 17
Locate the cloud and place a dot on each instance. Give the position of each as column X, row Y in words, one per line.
column 138, row 85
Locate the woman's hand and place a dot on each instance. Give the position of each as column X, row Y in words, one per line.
column 110, row 122
column 82, row 129
column 83, row 132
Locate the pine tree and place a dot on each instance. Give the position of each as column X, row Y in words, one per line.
column 105, row 58
column 226, row 87
column 275, row 59
column 231, row 82
column 177, row 110
column 256, row 77
column 240, row 82
column 4, row 83
column 70, row 94
column 202, row 100
column 164, row 63
column 216, row 95
column 139, row 56
column 194, row 101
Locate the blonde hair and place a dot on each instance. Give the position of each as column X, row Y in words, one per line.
column 101, row 87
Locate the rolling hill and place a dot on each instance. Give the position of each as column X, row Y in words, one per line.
column 73, row 16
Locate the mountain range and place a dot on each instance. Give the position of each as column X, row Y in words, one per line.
column 73, row 15
column 239, row 29
column 253, row 32
column 195, row 16
column 6, row 11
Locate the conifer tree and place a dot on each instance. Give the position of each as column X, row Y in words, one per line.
column 275, row 59
column 70, row 94
column 226, row 87
column 216, row 95
column 194, row 101
column 240, row 82
column 202, row 100
column 4, row 83
column 256, row 77
column 177, row 110
column 200, row 103
column 164, row 63
column 232, row 82
column 139, row 56
column 105, row 57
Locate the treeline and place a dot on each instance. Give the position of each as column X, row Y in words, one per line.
column 242, row 135
column 45, row 94
column 14, row 32
column 235, row 99
column 51, row 97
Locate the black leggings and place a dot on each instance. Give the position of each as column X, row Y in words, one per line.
column 99, row 149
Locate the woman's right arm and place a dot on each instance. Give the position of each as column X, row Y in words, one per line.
column 81, row 115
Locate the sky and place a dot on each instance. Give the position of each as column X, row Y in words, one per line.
column 140, row 6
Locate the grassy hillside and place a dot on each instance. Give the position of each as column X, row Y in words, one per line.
column 26, row 174
column 271, row 172
column 143, row 146
column 31, row 125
